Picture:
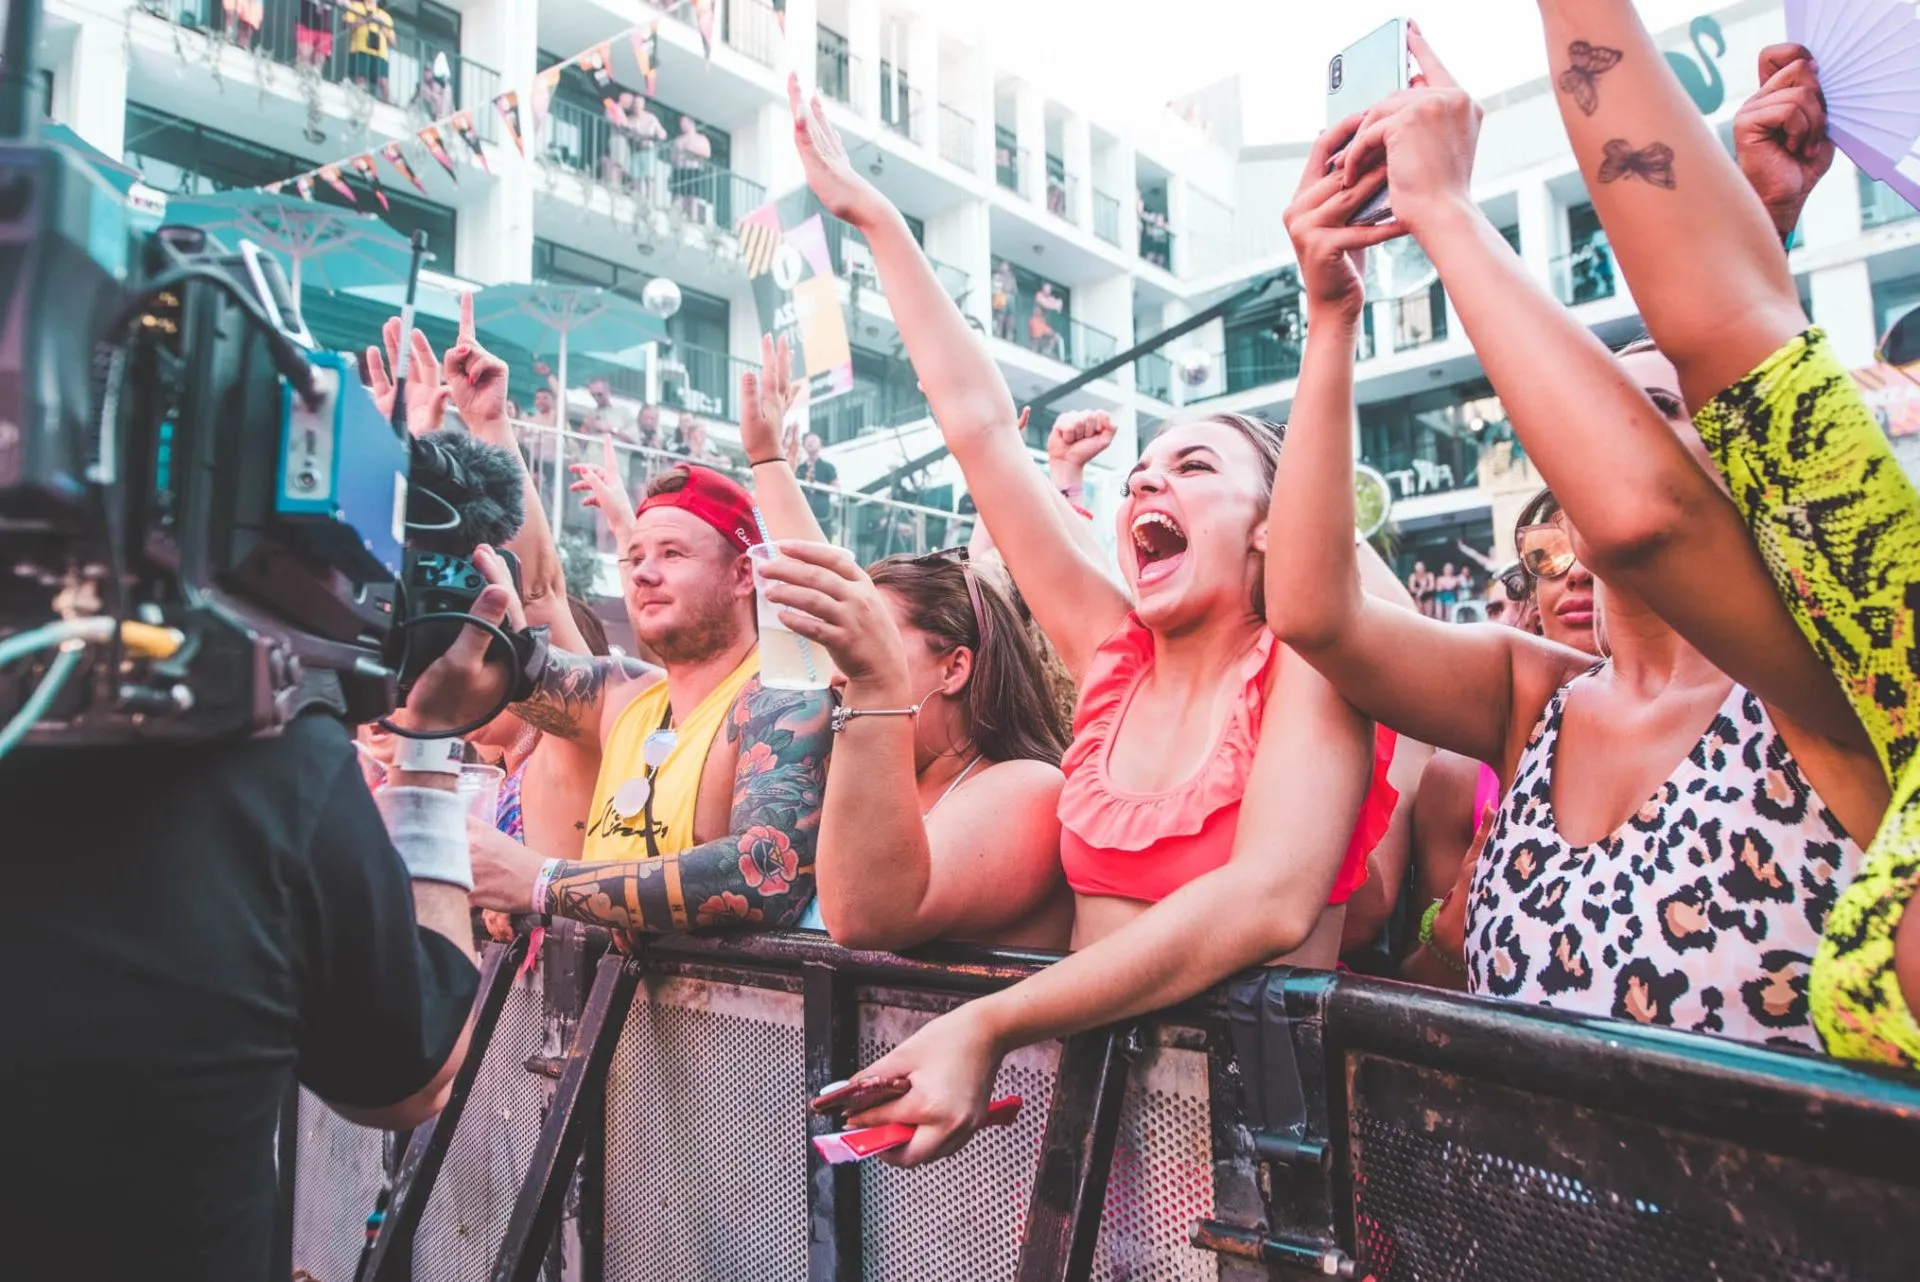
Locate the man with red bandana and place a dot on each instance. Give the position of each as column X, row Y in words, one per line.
column 706, row 803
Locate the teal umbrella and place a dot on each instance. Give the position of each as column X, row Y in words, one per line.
column 119, row 176
column 322, row 245
column 542, row 317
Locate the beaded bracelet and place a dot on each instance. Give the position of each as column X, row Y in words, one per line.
column 1427, row 940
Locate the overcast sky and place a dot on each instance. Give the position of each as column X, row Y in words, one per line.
column 1111, row 56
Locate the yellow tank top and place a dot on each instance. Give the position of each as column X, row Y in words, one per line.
column 676, row 784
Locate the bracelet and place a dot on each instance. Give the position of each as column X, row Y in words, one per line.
column 762, row 462
column 1071, row 491
column 1428, row 942
column 543, row 883
column 841, row 715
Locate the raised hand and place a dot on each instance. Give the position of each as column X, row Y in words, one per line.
column 823, row 156
column 827, row 598
column 599, row 485
column 426, row 396
column 1330, row 253
column 765, row 399
column 1079, row 437
column 1427, row 134
column 1780, row 134
column 476, row 377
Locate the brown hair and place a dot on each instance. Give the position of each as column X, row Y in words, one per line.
column 1060, row 683
column 592, row 630
column 1010, row 714
column 1266, row 439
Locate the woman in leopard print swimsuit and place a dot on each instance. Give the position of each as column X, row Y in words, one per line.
column 1674, row 829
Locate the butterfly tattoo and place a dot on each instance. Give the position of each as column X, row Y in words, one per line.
column 1653, row 163
column 1581, row 80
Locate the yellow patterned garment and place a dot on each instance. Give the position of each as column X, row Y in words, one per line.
column 1839, row 526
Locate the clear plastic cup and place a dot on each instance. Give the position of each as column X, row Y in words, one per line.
column 788, row 661
column 480, row 787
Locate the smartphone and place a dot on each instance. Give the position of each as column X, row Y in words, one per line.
column 1368, row 71
column 847, row 1097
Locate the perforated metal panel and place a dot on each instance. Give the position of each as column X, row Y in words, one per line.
column 961, row 1218
column 466, row 1214
column 338, row 1171
column 1457, row 1180
column 706, row 1136
column 1162, row 1175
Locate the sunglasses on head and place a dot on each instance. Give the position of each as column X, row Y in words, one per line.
column 1546, row 550
column 959, row 553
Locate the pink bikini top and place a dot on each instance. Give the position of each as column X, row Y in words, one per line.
column 1145, row 846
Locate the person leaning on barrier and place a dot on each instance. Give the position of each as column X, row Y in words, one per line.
column 940, row 818
column 706, row 806
column 192, row 930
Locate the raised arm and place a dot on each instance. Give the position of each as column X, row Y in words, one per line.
column 1443, row 684
column 1698, row 250
column 1650, row 518
column 1309, row 777
column 759, row 874
column 887, row 877
column 764, row 401
column 1077, row 605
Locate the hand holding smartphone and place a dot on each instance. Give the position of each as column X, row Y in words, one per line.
column 1361, row 76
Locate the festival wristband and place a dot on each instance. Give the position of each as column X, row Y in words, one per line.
column 1431, row 944
column 430, row 756
column 543, row 882
column 428, row 826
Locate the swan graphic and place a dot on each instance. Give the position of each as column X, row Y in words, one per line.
column 1706, row 88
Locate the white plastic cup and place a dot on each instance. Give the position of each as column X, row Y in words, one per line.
column 788, row 661
column 479, row 786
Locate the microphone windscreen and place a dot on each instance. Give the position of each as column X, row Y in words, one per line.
column 482, row 483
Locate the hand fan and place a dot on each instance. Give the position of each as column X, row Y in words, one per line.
column 1869, row 56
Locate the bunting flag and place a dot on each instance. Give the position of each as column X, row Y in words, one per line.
column 598, row 63
column 274, row 189
column 304, row 185
column 508, row 105
column 646, row 45
column 330, row 175
column 363, row 165
column 543, row 86
column 461, row 122
column 703, row 18
column 780, row 14
column 437, row 147
column 398, row 159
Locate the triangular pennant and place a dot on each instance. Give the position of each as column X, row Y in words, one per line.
column 598, row 63
column 543, row 86
column 304, row 185
column 437, row 148
column 398, row 159
column 508, row 105
column 703, row 18
column 330, row 175
column 645, row 48
column 363, row 165
column 461, row 122
column 274, row 189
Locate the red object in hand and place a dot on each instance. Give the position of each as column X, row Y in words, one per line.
column 870, row 1141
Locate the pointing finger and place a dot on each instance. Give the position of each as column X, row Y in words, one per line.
column 466, row 317
column 1430, row 65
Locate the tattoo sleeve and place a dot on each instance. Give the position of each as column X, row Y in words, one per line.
column 761, row 872
column 571, row 692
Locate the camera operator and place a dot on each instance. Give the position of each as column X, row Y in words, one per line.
column 192, row 930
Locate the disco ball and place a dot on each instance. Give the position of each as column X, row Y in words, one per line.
column 661, row 297
column 1195, row 368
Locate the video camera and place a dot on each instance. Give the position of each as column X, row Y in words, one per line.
column 206, row 525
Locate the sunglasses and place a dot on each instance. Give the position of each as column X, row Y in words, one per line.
column 1546, row 550
column 959, row 553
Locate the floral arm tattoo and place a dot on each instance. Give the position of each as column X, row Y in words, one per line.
column 760, row 873
column 568, row 697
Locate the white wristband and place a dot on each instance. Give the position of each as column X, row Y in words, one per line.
column 429, row 829
column 430, row 756
column 542, row 882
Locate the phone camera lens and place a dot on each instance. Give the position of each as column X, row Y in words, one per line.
column 1334, row 70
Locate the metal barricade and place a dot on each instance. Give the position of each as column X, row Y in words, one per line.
column 339, row 1171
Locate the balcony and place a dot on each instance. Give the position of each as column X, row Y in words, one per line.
column 1063, row 189
column 842, row 78
column 1881, row 205
column 1410, row 475
column 899, row 106
column 856, row 262
column 586, row 143
column 1153, row 376
column 404, row 79
column 1010, row 168
column 864, row 409
column 1250, row 365
column 701, row 381
column 1156, row 240
column 1419, row 319
column 956, row 138
column 1106, row 217
column 1088, row 346
column 753, row 28
column 1586, row 275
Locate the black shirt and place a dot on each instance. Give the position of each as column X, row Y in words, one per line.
column 188, row 929
column 819, row 472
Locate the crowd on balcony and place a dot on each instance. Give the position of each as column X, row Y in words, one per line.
column 1673, row 784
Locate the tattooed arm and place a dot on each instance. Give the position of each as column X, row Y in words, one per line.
column 571, row 699
column 1698, row 249
column 759, row 874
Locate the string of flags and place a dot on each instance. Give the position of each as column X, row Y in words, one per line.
column 517, row 109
